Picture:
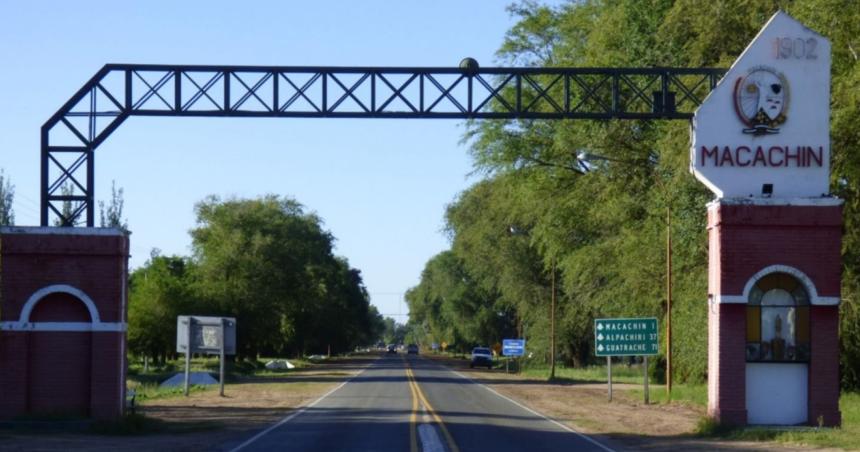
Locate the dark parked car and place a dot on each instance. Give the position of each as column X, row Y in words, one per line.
column 482, row 356
column 392, row 349
column 412, row 349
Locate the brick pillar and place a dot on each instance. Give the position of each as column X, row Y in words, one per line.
column 727, row 363
column 13, row 374
column 63, row 303
column 824, row 366
column 107, row 384
column 748, row 238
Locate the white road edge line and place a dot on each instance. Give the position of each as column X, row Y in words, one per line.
column 300, row 411
column 581, row 435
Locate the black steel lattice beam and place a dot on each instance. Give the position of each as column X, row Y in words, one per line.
column 119, row 91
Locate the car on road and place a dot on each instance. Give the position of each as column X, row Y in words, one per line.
column 392, row 349
column 412, row 349
column 481, row 356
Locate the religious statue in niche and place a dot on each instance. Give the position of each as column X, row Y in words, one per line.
column 778, row 343
column 778, row 320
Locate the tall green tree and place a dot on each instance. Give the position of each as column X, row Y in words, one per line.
column 378, row 326
column 67, row 207
column 7, row 196
column 449, row 306
column 112, row 216
column 159, row 291
column 269, row 264
column 265, row 262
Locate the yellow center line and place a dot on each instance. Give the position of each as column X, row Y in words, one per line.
column 416, row 389
column 413, row 435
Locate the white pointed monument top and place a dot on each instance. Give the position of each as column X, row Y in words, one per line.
column 764, row 131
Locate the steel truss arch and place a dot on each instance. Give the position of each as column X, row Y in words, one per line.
column 118, row 91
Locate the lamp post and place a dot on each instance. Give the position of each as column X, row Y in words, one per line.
column 583, row 159
column 512, row 230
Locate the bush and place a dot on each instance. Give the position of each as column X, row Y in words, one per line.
column 708, row 426
column 657, row 369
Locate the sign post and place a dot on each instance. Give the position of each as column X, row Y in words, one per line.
column 609, row 375
column 513, row 347
column 188, row 322
column 626, row 337
column 221, row 355
column 209, row 335
column 645, row 363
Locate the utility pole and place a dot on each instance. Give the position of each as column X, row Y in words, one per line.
column 669, row 302
column 552, row 325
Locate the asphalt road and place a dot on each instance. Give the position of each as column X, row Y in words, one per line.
column 409, row 403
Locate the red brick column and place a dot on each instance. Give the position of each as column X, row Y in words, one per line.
column 107, row 384
column 727, row 363
column 63, row 293
column 824, row 366
column 13, row 373
column 753, row 236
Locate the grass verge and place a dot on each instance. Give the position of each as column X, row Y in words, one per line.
column 683, row 393
column 146, row 384
column 621, row 373
column 845, row 437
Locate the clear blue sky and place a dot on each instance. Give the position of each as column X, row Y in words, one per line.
column 381, row 186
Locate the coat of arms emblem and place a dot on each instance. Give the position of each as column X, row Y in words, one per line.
column 761, row 100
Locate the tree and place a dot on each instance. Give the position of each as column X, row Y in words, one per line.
column 269, row 264
column 265, row 262
column 377, row 325
column 112, row 217
column 67, row 208
column 449, row 306
column 159, row 291
column 7, row 196
column 389, row 335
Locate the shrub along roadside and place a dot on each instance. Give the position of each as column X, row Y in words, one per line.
column 846, row 437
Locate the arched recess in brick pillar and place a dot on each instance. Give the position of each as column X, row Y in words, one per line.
column 60, row 320
column 779, row 299
column 802, row 278
column 786, row 360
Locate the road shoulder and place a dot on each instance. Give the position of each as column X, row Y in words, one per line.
column 624, row 423
column 204, row 420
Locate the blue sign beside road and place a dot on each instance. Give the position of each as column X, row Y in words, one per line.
column 513, row 347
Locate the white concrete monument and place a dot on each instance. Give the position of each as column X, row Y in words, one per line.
column 764, row 131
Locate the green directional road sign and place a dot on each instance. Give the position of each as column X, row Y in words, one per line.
column 625, row 337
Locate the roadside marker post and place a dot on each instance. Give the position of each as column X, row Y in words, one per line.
column 222, row 355
column 513, row 348
column 626, row 337
column 189, row 322
column 646, row 378
column 609, row 375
